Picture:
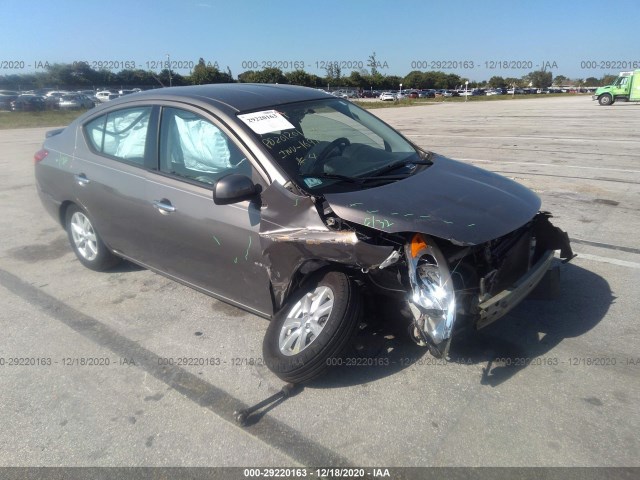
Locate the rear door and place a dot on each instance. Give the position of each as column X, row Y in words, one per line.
column 215, row 248
column 109, row 167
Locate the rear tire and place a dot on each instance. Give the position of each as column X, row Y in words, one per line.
column 605, row 99
column 85, row 241
column 315, row 326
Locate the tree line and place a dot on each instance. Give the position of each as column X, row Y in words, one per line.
column 80, row 75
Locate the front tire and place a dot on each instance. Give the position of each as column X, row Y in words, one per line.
column 315, row 326
column 86, row 243
column 605, row 99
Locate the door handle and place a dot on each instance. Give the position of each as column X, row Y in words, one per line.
column 81, row 179
column 164, row 206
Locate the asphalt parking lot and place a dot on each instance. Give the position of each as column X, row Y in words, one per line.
column 555, row 383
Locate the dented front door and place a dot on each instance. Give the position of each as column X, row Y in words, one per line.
column 213, row 247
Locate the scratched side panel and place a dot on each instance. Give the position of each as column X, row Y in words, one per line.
column 214, row 247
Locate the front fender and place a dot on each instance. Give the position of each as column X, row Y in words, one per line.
column 294, row 240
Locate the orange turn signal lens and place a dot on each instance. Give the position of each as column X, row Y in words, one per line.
column 417, row 244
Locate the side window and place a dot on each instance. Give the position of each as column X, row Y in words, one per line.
column 192, row 147
column 121, row 134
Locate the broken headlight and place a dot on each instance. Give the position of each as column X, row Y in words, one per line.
column 432, row 299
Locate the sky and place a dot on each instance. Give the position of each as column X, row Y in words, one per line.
column 475, row 39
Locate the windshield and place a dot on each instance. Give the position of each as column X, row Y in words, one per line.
column 329, row 145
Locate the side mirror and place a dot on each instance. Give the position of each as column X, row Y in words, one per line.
column 234, row 188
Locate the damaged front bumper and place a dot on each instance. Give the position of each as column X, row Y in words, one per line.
column 435, row 302
column 503, row 302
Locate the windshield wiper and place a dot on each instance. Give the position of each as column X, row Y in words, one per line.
column 345, row 178
column 401, row 163
column 334, row 176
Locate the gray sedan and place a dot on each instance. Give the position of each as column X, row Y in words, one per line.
column 295, row 205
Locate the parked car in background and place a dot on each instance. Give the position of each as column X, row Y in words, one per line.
column 75, row 101
column 28, row 103
column 56, row 93
column 296, row 206
column 106, row 95
column 6, row 97
column 386, row 96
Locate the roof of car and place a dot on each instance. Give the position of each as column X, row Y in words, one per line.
column 237, row 96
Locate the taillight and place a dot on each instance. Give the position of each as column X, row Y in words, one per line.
column 40, row 155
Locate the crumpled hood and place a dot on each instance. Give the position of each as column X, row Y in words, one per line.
column 450, row 200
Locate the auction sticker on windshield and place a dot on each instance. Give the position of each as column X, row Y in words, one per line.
column 266, row 122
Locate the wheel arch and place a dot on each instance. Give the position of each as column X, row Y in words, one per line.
column 62, row 215
column 307, row 269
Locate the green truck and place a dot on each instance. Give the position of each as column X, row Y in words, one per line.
column 625, row 88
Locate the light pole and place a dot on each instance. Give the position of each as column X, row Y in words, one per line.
column 169, row 67
column 400, row 91
column 466, row 94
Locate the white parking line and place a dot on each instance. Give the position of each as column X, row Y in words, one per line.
column 613, row 261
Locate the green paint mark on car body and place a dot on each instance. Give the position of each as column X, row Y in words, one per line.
column 246, row 254
column 374, row 222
